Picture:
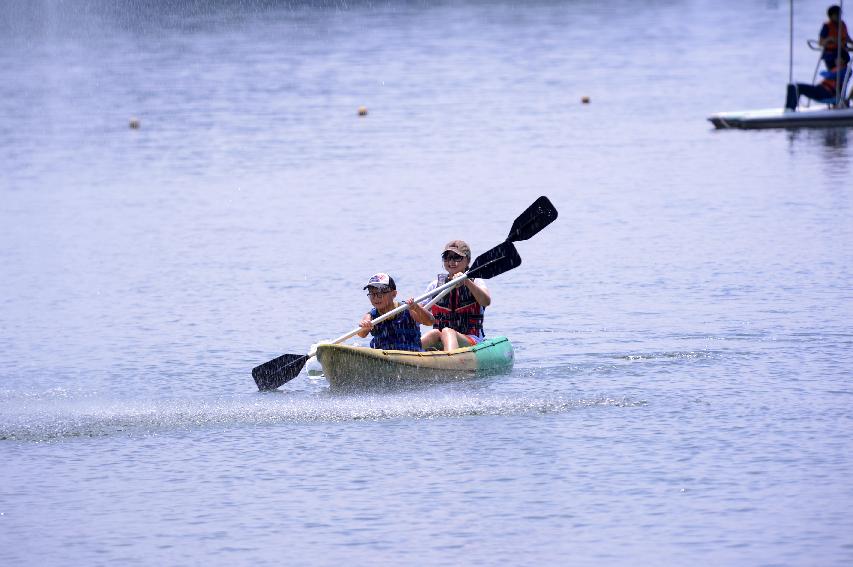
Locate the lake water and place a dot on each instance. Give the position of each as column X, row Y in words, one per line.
column 682, row 387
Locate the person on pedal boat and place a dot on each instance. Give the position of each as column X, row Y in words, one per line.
column 829, row 35
column 401, row 332
column 825, row 91
column 459, row 314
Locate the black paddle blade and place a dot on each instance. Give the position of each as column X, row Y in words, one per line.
column 537, row 216
column 502, row 258
column 270, row 375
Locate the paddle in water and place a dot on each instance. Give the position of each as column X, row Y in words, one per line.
column 500, row 259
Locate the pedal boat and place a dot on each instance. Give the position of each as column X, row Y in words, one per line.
column 803, row 117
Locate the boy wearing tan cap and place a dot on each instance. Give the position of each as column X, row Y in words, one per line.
column 458, row 315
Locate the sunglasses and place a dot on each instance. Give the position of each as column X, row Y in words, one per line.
column 377, row 294
column 450, row 257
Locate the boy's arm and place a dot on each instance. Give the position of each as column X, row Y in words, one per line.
column 419, row 314
column 365, row 325
column 480, row 292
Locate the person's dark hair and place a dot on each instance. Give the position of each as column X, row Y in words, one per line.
column 834, row 10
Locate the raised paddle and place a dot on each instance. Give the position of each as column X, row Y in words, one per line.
column 536, row 217
column 500, row 259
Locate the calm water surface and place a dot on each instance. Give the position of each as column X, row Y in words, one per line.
column 683, row 332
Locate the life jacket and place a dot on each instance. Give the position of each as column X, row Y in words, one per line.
column 830, row 83
column 398, row 333
column 832, row 36
column 459, row 311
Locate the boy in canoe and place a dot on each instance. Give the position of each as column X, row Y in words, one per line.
column 459, row 314
column 401, row 332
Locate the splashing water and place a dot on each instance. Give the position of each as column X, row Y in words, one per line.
column 50, row 418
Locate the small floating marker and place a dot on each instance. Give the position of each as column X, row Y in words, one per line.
column 134, row 123
column 585, row 99
column 362, row 111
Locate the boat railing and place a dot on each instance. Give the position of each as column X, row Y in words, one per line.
column 814, row 45
column 844, row 97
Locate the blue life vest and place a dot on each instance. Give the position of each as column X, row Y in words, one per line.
column 398, row 333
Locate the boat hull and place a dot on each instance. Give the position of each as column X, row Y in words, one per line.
column 350, row 368
column 814, row 117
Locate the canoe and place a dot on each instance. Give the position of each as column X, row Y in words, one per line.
column 350, row 367
column 815, row 116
